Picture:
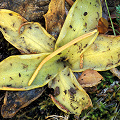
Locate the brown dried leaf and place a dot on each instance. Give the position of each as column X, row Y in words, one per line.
column 89, row 78
column 55, row 17
column 32, row 10
column 102, row 25
column 70, row 2
column 14, row 101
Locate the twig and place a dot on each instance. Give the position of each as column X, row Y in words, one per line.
column 110, row 18
column 114, row 117
column 81, row 61
column 55, row 117
column 26, row 23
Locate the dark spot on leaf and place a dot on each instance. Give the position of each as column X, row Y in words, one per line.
column 98, row 14
column 19, row 75
column 110, row 64
column 81, row 79
column 73, row 29
column 72, row 91
column 73, row 107
column 74, row 85
column 54, row 41
column 56, row 91
column 85, row 24
column 80, row 50
column 70, row 26
column 65, row 91
column 37, row 27
column 10, row 14
column 28, row 50
column 30, row 27
column 0, row 26
column 59, row 53
column 48, row 76
column 9, row 85
column 84, row 74
column 64, row 65
column 14, row 40
column 11, row 78
column 49, row 44
column 90, row 3
column 95, row 5
column 38, row 57
column 68, row 74
column 83, row 98
column 13, row 24
column 24, row 66
column 75, row 44
column 85, row 46
column 10, row 64
column 5, row 30
column 85, row 13
column 61, row 59
column 22, row 37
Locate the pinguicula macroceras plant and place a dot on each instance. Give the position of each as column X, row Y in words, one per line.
column 54, row 61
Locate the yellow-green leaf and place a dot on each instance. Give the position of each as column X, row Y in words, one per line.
column 69, row 96
column 104, row 54
column 73, row 53
column 33, row 38
column 82, row 18
column 16, row 71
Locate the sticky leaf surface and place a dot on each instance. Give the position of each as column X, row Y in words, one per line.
column 79, row 20
column 32, row 37
column 16, row 71
column 104, row 54
column 68, row 92
column 72, row 54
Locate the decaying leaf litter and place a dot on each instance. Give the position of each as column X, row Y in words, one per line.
column 65, row 57
column 31, row 10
